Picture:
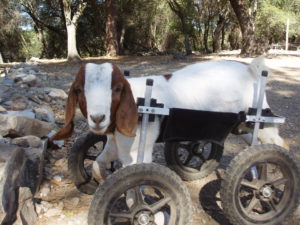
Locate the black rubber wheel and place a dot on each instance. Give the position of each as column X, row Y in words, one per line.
column 261, row 186
column 81, row 156
column 193, row 160
column 158, row 192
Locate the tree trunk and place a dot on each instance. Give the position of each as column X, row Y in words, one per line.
column 223, row 38
column 217, row 34
column 205, row 37
column 1, row 59
column 187, row 44
column 246, row 23
column 287, row 34
column 71, row 25
column 72, row 47
column 177, row 9
column 112, row 45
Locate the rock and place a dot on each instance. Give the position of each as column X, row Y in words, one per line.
column 27, row 211
column 30, row 80
column 8, row 103
column 28, row 113
column 57, row 178
column 2, row 109
column 8, row 81
column 34, row 59
column 61, row 163
column 71, row 203
column 19, row 103
column 22, row 126
column 46, row 205
column 56, row 93
column 21, row 175
column 34, row 99
column 27, row 141
column 45, row 189
column 53, row 212
column 45, row 113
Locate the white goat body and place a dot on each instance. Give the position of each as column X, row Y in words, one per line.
column 222, row 86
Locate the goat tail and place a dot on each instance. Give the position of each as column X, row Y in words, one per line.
column 257, row 66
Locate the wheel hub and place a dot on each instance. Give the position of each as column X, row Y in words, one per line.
column 267, row 191
column 144, row 217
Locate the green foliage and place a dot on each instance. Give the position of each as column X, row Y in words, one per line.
column 272, row 19
column 31, row 46
column 142, row 26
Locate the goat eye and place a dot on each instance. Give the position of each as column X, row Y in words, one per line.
column 118, row 89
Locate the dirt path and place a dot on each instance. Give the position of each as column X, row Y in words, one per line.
column 284, row 98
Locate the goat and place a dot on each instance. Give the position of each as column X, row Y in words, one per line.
column 107, row 99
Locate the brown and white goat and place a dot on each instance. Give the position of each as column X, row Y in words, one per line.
column 107, row 99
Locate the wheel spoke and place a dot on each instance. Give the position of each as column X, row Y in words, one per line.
column 279, row 182
column 263, row 172
column 273, row 205
column 253, row 202
column 184, row 146
column 250, row 184
column 201, row 156
column 121, row 215
column 138, row 195
column 91, row 157
column 158, row 205
column 188, row 159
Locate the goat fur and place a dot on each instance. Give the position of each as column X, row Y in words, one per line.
column 223, row 86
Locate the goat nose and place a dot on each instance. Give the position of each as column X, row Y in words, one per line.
column 97, row 118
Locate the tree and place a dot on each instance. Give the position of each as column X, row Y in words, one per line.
column 245, row 11
column 10, row 32
column 72, row 12
column 184, row 11
column 112, row 43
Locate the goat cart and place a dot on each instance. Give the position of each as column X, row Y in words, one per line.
column 260, row 186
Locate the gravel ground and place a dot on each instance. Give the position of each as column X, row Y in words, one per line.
column 284, row 97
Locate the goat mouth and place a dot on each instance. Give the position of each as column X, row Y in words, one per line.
column 98, row 130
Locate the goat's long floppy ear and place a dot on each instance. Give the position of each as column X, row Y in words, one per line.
column 127, row 114
column 67, row 130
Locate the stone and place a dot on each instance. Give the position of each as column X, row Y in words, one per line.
column 2, row 109
column 30, row 80
column 71, row 203
column 22, row 126
column 45, row 189
column 27, row 141
column 27, row 211
column 19, row 103
column 46, row 205
column 56, row 93
column 45, row 113
column 61, row 163
column 28, row 113
column 8, row 81
column 53, row 212
column 21, row 175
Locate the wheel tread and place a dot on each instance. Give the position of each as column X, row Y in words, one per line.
column 227, row 185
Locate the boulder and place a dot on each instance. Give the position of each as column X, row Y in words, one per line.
column 29, row 79
column 27, row 141
column 21, row 172
column 25, row 113
column 56, row 93
column 45, row 113
column 2, row 109
column 22, row 126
